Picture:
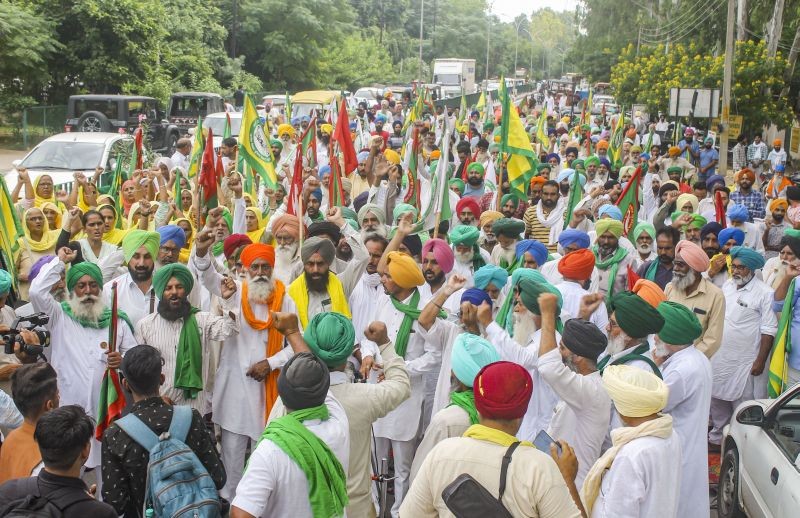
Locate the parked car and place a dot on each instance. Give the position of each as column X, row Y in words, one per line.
column 64, row 154
column 122, row 113
column 216, row 121
column 186, row 107
column 760, row 472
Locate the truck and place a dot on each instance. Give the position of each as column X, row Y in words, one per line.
column 454, row 76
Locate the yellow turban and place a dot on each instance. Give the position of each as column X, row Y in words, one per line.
column 392, row 156
column 635, row 392
column 608, row 225
column 490, row 216
column 778, row 203
column 685, row 198
column 285, row 129
column 326, row 128
column 404, row 270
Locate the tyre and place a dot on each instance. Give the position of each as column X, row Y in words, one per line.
column 728, row 490
column 172, row 144
column 93, row 122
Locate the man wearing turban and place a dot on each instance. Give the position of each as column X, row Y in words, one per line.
column 286, row 232
column 645, row 439
column 475, row 186
column 687, row 374
column 242, row 398
column 777, row 269
column 739, row 366
column 172, row 239
column 530, row 254
column 502, row 392
column 659, row 270
column 752, row 199
column 719, row 270
column 753, row 237
column 507, row 232
column 575, row 272
column 372, row 220
column 135, row 295
column 611, row 259
column 488, row 238
column 79, row 329
column 185, row 366
column 570, row 369
column 673, row 158
column 469, row 257
column 491, row 279
column 468, row 211
column 774, row 226
column 643, row 237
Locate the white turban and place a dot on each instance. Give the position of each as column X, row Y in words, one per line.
column 635, row 392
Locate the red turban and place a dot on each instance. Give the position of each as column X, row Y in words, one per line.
column 692, row 255
column 441, row 252
column 577, row 265
column 469, row 203
column 257, row 251
column 502, row 390
column 650, row 292
column 233, row 242
column 288, row 223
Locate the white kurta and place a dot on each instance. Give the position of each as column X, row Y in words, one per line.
column 466, row 269
column 448, row 422
column 572, row 294
column 748, row 315
column 274, row 484
column 77, row 356
column 544, row 399
column 553, row 276
column 442, row 335
column 130, row 298
column 687, row 373
column 362, row 302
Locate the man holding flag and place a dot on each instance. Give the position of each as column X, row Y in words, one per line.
column 784, row 366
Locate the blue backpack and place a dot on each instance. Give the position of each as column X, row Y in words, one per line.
column 178, row 485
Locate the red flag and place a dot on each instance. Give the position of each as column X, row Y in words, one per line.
column 112, row 399
column 335, row 189
column 342, row 137
column 719, row 210
column 208, row 173
column 632, row 278
column 296, row 189
column 467, row 162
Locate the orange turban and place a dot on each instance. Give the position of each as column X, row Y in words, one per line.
column 747, row 173
column 404, row 270
column 778, row 203
column 674, row 151
column 288, row 223
column 777, row 142
column 631, row 133
column 257, row 251
column 650, row 292
column 435, row 154
column 537, row 180
column 577, row 265
column 603, row 144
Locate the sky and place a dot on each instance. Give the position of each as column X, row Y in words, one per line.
column 506, row 10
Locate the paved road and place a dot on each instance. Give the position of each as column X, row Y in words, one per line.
column 7, row 156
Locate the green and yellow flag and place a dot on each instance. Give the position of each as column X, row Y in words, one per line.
column 462, row 112
column 115, row 190
column 481, row 106
column 521, row 161
column 541, row 131
column 287, row 109
column 254, row 145
column 778, row 365
column 10, row 232
column 197, row 150
column 617, row 137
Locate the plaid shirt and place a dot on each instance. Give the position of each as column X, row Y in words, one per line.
column 756, row 206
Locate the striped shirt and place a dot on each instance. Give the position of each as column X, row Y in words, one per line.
column 534, row 229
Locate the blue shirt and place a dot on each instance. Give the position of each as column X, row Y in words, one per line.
column 706, row 157
column 474, row 192
column 794, row 330
column 695, row 147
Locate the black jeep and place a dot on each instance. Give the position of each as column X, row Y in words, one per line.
column 122, row 113
column 185, row 108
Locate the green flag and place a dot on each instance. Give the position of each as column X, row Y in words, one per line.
column 575, row 196
column 255, row 146
column 628, row 202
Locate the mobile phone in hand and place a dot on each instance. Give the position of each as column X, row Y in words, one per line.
column 543, row 441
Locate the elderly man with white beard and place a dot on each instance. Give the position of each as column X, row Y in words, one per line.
column 469, row 257
column 372, row 220
column 690, row 288
column 527, row 331
column 776, row 268
column 750, row 327
column 508, row 233
column 286, row 231
column 79, row 329
column 245, row 387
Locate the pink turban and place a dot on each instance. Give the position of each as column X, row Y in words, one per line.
column 441, row 252
column 692, row 255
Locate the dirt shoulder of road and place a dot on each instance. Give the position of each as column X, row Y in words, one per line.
column 9, row 155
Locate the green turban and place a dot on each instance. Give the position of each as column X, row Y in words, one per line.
column 592, row 160
column 348, row 213
column 511, row 197
column 640, row 227
column 578, row 164
column 79, row 270
column 136, row 239
column 464, row 235
column 543, row 167
column 276, row 143
column 608, row 225
column 635, row 316
column 531, row 288
column 508, row 227
column 494, row 147
column 675, row 169
column 488, row 126
column 476, row 166
column 353, row 223
column 162, row 276
column 402, row 208
column 698, row 221
column 791, row 232
column 5, row 282
column 459, row 183
column 681, row 326
column 331, row 337
column 219, row 247
column 751, row 259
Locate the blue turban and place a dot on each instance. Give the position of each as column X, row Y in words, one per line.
column 294, row 120
column 362, row 157
column 727, row 234
column 324, row 169
column 353, row 125
column 571, row 236
column 568, row 174
column 305, row 118
column 317, row 194
column 5, row 282
column 490, row 274
column 537, row 250
column 172, row 233
column 605, row 162
column 749, row 257
column 380, row 118
column 476, row 297
column 552, row 156
column 738, row 212
column 610, row 210
column 713, row 180
column 471, row 353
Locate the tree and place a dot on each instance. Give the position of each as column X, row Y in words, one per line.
column 356, row 62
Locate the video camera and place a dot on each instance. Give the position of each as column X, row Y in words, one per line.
column 30, row 323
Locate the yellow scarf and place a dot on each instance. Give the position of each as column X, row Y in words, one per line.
column 186, row 251
column 659, row 427
column 53, row 207
column 39, row 201
column 484, row 433
column 49, row 237
column 255, row 235
column 115, row 235
column 728, row 261
column 133, row 217
column 298, row 290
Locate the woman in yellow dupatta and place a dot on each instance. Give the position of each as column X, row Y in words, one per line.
column 255, row 224
column 53, row 215
column 44, row 192
column 39, row 241
column 188, row 229
column 111, row 234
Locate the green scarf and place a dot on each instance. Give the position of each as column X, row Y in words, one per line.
column 612, row 265
column 189, row 361
column 102, row 323
column 650, row 274
column 327, row 481
column 640, row 352
column 477, row 258
column 411, row 312
column 465, row 400
column 509, row 267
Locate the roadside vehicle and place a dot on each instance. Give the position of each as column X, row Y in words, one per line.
column 303, row 103
column 216, row 121
column 185, row 107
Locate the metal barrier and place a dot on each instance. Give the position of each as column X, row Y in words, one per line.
column 40, row 122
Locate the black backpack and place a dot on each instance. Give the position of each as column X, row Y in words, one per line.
column 36, row 505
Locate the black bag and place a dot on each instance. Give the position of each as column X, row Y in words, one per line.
column 465, row 497
column 36, row 505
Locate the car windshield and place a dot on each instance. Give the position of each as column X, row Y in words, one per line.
column 65, row 155
column 217, row 125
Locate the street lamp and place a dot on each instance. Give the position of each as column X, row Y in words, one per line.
column 516, row 47
column 530, row 70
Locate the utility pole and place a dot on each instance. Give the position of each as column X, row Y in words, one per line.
column 421, row 18
column 726, row 89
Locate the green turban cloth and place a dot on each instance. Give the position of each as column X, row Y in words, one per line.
column 681, row 326
column 319, row 244
column 402, row 208
column 276, row 143
column 488, row 126
column 635, row 316
column 509, row 197
column 136, row 239
column 348, row 213
column 592, row 160
column 219, row 247
column 748, row 257
column 477, row 167
column 331, row 337
column 543, row 167
column 531, row 288
column 508, row 227
column 675, row 169
column 353, row 223
column 79, row 270
column 698, row 221
column 459, row 183
column 792, row 233
column 608, row 225
column 640, row 227
column 5, row 282
column 578, row 164
column 162, row 276
column 490, row 274
column 464, row 235
column 471, row 353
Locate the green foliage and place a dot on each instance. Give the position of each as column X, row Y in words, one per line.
column 356, row 62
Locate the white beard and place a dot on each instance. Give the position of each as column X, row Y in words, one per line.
column 284, row 257
column 82, row 310
column 509, row 255
column 379, row 231
column 644, row 249
column 258, row 291
column 741, row 280
column 60, row 295
column 680, row 283
column 616, row 344
column 464, row 258
column 524, row 327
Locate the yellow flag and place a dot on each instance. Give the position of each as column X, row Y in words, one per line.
column 254, row 145
column 514, row 141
